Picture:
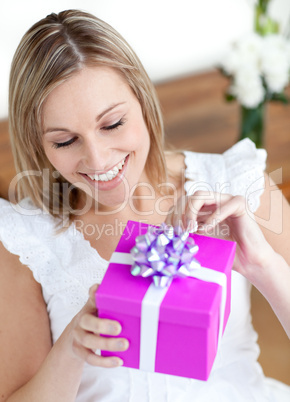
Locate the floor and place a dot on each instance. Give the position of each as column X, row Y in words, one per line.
column 198, row 118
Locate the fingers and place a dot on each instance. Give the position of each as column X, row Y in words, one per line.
column 91, row 333
column 204, row 208
column 93, row 290
column 93, row 341
column 195, row 211
column 175, row 218
column 100, row 361
column 90, row 305
column 89, row 322
column 229, row 207
column 183, row 214
column 91, row 357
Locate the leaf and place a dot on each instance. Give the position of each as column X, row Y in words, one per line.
column 280, row 97
column 229, row 97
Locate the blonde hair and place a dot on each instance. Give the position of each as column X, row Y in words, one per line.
column 50, row 52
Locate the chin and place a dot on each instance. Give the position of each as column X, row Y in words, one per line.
column 110, row 200
column 111, row 206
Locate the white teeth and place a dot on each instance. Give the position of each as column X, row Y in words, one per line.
column 111, row 174
column 103, row 177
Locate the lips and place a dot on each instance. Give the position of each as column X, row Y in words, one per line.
column 110, row 179
column 111, row 174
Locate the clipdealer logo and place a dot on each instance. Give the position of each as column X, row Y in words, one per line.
column 273, row 197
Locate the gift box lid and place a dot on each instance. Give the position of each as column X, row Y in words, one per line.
column 187, row 300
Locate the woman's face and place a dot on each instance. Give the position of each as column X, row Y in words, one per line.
column 95, row 134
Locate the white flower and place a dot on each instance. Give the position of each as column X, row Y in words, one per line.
column 276, row 82
column 231, row 62
column 245, row 52
column 249, row 49
column 275, row 62
column 248, row 87
column 254, row 61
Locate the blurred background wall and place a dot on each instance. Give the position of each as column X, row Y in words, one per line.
column 172, row 38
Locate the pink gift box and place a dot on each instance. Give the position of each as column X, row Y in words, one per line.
column 189, row 314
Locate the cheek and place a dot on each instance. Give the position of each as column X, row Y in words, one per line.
column 61, row 161
column 139, row 138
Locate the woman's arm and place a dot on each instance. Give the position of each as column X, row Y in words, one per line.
column 273, row 217
column 275, row 287
column 25, row 335
column 31, row 369
column 255, row 258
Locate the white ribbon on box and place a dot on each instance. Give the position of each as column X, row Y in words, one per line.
column 151, row 305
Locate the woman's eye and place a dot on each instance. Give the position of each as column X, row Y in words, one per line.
column 64, row 144
column 114, row 126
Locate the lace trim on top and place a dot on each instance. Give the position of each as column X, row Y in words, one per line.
column 238, row 171
column 66, row 265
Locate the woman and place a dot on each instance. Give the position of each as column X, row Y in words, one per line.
column 87, row 138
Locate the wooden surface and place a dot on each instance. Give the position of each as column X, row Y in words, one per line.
column 198, row 118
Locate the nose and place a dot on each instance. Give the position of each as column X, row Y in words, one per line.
column 96, row 155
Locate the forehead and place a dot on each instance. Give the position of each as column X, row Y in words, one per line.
column 94, row 87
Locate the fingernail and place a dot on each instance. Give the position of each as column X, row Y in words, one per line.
column 114, row 329
column 192, row 226
column 117, row 362
column 122, row 345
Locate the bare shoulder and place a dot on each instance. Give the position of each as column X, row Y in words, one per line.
column 175, row 162
column 25, row 332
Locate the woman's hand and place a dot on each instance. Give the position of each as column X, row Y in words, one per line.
column 87, row 335
column 218, row 214
column 255, row 258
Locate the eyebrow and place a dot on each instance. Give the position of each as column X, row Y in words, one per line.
column 98, row 118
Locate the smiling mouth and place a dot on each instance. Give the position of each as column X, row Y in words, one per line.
column 111, row 174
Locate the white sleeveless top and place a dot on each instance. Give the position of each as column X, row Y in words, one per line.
column 66, row 266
